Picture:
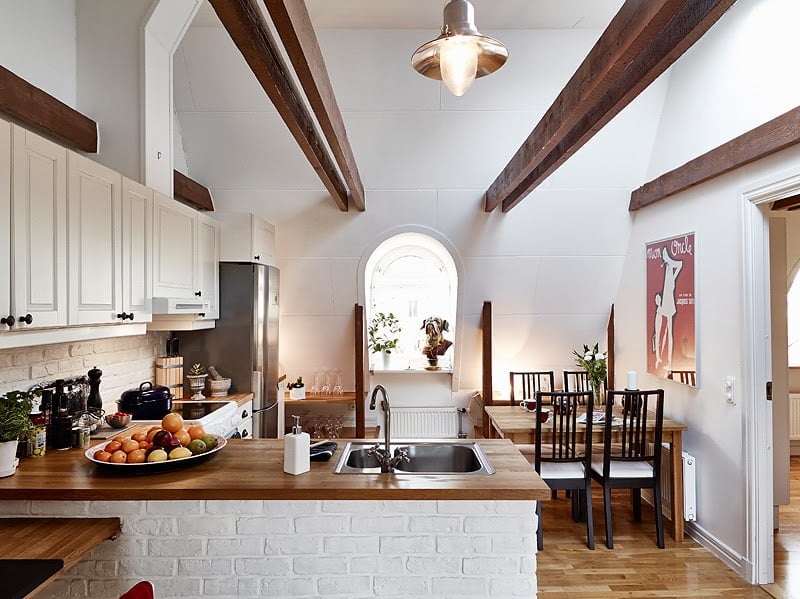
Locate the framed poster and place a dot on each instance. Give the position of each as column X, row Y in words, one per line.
column 671, row 338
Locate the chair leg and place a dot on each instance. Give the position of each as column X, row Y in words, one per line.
column 587, row 494
column 576, row 510
column 607, row 508
column 636, row 499
column 659, row 517
column 539, row 532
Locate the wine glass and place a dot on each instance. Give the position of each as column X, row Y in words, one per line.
column 337, row 385
column 315, row 388
column 326, row 388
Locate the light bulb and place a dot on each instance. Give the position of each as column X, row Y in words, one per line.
column 458, row 57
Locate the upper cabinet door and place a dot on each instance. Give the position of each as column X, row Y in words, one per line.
column 95, row 233
column 263, row 241
column 137, row 251
column 39, row 207
column 176, row 268
column 208, row 251
column 5, row 225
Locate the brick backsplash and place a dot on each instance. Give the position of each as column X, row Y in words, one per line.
column 309, row 549
column 125, row 362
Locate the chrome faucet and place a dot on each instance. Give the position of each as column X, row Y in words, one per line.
column 384, row 455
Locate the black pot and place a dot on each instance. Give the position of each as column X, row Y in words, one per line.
column 146, row 402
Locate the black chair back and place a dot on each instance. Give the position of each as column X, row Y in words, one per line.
column 524, row 385
column 563, row 420
column 576, row 380
column 642, row 416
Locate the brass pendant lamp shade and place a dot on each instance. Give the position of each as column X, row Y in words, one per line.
column 460, row 54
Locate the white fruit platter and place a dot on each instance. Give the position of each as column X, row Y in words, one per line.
column 154, row 466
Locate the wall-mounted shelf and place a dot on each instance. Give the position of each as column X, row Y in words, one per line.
column 346, row 397
column 413, row 371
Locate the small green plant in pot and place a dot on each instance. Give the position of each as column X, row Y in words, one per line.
column 383, row 336
column 15, row 423
column 297, row 389
column 197, row 380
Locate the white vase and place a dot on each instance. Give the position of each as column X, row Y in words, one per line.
column 8, row 458
column 297, row 393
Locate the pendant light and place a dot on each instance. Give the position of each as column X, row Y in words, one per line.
column 460, row 53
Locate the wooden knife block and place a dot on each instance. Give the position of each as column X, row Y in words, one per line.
column 169, row 373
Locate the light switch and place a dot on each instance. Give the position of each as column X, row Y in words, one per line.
column 730, row 387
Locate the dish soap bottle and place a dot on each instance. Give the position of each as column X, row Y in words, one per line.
column 296, row 450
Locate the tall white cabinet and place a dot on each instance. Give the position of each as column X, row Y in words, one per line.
column 176, row 267
column 39, row 246
column 208, row 246
column 137, row 251
column 6, row 318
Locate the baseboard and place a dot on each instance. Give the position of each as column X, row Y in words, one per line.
column 725, row 554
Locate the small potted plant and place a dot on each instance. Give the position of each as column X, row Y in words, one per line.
column 383, row 338
column 297, row 389
column 15, row 423
column 197, row 380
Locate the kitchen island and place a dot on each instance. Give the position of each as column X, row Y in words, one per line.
column 237, row 525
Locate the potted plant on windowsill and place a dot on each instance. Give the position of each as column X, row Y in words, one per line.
column 383, row 338
column 15, row 423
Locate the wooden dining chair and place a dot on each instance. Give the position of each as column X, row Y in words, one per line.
column 564, row 462
column 524, row 385
column 633, row 461
column 687, row 377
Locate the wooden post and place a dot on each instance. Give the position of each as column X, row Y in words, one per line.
column 359, row 370
column 486, row 378
column 610, row 354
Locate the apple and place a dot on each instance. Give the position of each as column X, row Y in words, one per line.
column 162, row 438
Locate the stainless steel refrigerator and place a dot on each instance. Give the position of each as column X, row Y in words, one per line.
column 244, row 343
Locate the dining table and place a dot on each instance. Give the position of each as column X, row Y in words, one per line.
column 519, row 425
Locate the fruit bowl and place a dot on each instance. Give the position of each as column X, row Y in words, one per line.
column 118, row 420
column 150, row 467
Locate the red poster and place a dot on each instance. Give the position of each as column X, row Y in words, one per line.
column 671, row 339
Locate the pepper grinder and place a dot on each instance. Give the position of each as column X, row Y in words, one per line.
column 94, row 401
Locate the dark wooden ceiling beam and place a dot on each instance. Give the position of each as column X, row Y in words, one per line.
column 191, row 192
column 791, row 203
column 248, row 30
column 773, row 136
column 38, row 110
column 643, row 39
column 294, row 27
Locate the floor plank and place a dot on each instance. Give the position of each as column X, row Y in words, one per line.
column 787, row 542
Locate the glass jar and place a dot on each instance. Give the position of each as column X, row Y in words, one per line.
column 37, row 439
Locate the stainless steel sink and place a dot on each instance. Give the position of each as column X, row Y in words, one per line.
column 425, row 457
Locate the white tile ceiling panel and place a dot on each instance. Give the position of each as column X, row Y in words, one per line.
column 236, row 150
column 400, row 150
column 306, row 285
column 345, row 287
column 543, row 342
column 509, row 282
column 549, row 222
column 371, row 70
column 181, row 92
column 308, row 343
column 277, row 206
column 576, row 285
column 219, row 77
column 539, row 64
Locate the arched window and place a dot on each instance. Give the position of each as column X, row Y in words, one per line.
column 793, row 318
column 413, row 276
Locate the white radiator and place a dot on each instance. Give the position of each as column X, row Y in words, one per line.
column 794, row 416
column 689, row 485
column 424, row 423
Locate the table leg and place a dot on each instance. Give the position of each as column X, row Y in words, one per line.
column 676, row 472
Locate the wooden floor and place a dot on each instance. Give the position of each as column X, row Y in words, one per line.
column 635, row 567
column 787, row 542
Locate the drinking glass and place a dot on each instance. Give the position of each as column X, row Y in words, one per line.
column 337, row 385
column 315, row 388
column 326, row 388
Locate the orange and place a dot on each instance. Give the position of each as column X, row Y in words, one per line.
column 139, row 436
column 119, row 457
column 196, row 432
column 183, row 437
column 113, row 446
column 151, row 433
column 172, row 422
column 130, row 445
column 137, row 456
column 102, row 456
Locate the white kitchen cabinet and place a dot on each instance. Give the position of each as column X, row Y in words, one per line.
column 176, row 268
column 94, row 199
column 208, row 240
column 39, row 241
column 5, row 226
column 246, row 237
column 137, row 251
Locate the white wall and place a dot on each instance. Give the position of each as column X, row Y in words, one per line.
column 550, row 266
column 37, row 42
column 700, row 112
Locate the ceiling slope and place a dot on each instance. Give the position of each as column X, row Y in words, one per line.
column 639, row 44
column 245, row 24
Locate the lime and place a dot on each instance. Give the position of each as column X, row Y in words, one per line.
column 197, row 446
column 210, row 441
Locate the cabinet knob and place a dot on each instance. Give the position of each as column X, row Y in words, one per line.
column 27, row 319
column 202, row 314
column 257, row 257
column 130, row 316
column 245, row 414
column 122, row 316
column 8, row 320
column 198, row 293
column 245, row 434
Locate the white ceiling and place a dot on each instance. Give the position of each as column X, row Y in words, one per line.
column 427, row 14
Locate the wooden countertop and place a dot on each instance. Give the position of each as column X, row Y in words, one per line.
column 239, row 398
column 253, row 469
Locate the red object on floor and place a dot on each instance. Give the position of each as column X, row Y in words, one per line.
column 141, row 590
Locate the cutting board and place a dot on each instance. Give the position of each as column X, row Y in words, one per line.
column 106, row 432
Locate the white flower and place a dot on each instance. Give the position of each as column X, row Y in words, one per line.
column 587, row 356
column 598, row 356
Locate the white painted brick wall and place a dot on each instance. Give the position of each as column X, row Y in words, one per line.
column 125, row 362
column 225, row 549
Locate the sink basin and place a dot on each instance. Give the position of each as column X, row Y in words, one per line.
column 426, row 457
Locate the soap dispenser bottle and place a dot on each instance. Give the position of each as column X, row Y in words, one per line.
column 296, row 450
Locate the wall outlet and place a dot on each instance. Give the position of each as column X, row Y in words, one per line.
column 730, row 388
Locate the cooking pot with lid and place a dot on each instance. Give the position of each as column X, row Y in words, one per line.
column 147, row 402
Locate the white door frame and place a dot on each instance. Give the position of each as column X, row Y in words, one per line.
column 757, row 370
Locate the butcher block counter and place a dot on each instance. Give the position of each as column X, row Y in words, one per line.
column 253, row 469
